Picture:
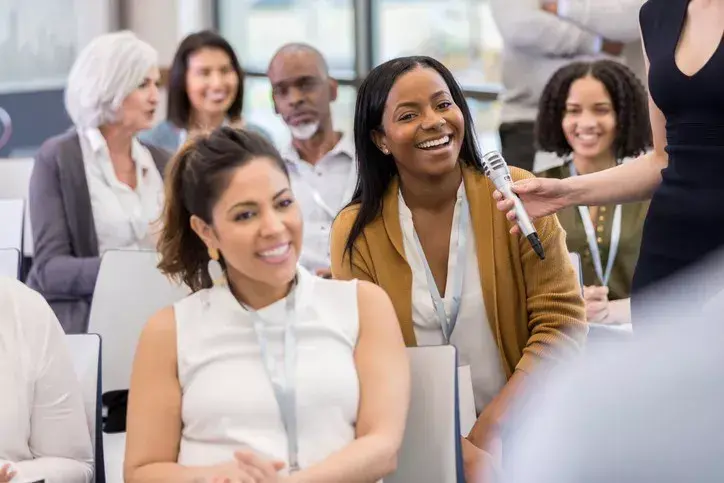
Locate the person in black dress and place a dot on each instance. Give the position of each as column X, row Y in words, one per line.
column 684, row 174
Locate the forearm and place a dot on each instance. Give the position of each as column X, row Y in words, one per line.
column 635, row 180
column 536, row 32
column 53, row 470
column 613, row 19
column 67, row 275
column 365, row 460
column 493, row 418
column 167, row 473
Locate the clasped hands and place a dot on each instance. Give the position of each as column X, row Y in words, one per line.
column 597, row 305
column 246, row 467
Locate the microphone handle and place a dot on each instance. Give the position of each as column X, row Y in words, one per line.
column 524, row 223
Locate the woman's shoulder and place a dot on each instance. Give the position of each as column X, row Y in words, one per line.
column 348, row 214
column 345, row 219
column 25, row 310
column 164, row 135
column 14, row 294
column 56, row 146
column 656, row 15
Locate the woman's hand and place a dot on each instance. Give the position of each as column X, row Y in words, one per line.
column 540, row 196
column 597, row 306
column 6, row 474
column 479, row 465
column 245, row 468
column 263, row 470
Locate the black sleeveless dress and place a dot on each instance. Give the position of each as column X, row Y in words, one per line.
column 685, row 222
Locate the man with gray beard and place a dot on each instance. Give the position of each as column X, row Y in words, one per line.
column 321, row 161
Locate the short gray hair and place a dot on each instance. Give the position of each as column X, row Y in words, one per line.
column 106, row 71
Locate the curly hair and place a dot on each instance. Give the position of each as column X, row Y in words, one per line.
column 630, row 103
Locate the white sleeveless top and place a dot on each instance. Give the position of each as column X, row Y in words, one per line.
column 228, row 403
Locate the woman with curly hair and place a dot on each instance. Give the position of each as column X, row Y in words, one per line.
column 682, row 174
column 594, row 115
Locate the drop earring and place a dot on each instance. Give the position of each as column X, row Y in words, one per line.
column 216, row 272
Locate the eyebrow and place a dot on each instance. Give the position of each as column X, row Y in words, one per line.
column 254, row 203
column 415, row 104
column 295, row 80
column 603, row 103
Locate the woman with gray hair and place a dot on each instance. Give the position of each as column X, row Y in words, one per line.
column 96, row 187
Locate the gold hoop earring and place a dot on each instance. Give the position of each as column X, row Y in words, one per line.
column 214, row 268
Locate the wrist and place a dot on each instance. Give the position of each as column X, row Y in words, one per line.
column 573, row 192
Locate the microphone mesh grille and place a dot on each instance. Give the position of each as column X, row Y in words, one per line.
column 493, row 161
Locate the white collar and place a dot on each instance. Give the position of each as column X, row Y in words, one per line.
column 344, row 146
column 98, row 143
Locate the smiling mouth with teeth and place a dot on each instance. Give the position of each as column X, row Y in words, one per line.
column 435, row 143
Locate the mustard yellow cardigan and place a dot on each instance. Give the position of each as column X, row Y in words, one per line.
column 534, row 306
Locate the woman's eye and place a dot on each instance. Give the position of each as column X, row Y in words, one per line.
column 286, row 203
column 244, row 215
column 406, row 117
column 445, row 104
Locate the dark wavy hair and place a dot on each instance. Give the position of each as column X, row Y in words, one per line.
column 375, row 169
column 195, row 179
column 179, row 105
column 630, row 103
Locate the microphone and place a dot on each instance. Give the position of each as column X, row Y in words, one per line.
column 497, row 170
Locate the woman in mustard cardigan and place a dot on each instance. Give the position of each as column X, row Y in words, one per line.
column 423, row 225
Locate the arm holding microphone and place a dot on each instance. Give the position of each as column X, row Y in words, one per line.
column 554, row 306
column 635, row 180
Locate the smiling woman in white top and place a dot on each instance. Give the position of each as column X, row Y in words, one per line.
column 96, row 187
column 44, row 434
column 266, row 372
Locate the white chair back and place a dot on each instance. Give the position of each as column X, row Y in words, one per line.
column 14, row 184
column 431, row 446
column 576, row 261
column 86, row 352
column 10, row 263
column 128, row 291
column 15, row 177
column 12, row 212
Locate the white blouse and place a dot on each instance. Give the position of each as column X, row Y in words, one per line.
column 228, row 401
column 472, row 336
column 44, row 432
column 123, row 217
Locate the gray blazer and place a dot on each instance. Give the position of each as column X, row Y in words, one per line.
column 66, row 261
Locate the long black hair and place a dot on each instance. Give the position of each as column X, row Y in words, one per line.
column 376, row 170
column 630, row 103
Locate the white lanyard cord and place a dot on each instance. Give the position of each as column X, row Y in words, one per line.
column 448, row 323
column 284, row 385
column 603, row 277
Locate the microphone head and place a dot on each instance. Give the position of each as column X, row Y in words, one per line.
column 494, row 164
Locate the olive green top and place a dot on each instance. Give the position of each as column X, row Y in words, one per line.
column 632, row 220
